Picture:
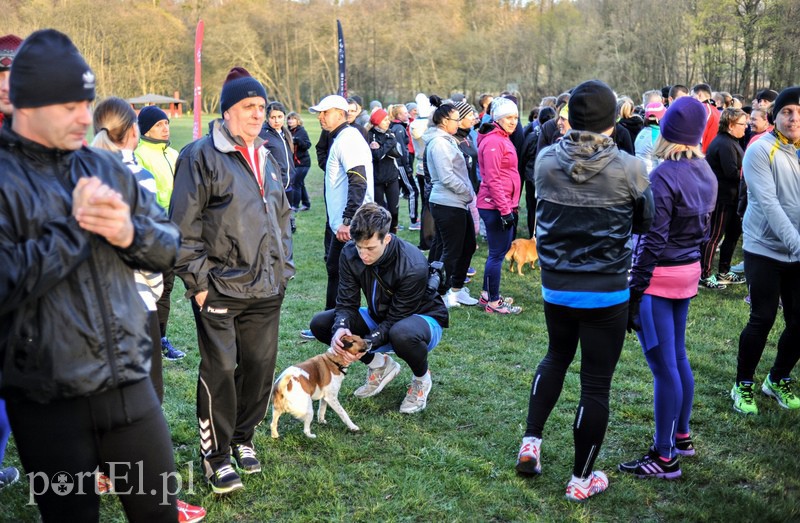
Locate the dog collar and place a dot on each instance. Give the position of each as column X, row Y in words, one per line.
column 341, row 368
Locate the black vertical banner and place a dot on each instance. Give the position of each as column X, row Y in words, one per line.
column 342, row 61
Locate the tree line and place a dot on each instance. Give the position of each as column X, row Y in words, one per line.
column 396, row 48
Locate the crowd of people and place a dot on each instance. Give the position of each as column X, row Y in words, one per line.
column 627, row 203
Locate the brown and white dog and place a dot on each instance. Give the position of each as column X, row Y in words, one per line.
column 521, row 252
column 317, row 378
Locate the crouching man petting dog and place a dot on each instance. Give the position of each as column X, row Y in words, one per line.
column 403, row 314
column 235, row 259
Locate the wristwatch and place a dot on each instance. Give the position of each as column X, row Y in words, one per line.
column 346, row 221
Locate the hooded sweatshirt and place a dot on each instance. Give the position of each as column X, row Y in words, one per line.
column 592, row 196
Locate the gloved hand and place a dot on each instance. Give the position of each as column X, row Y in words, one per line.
column 508, row 220
column 634, row 324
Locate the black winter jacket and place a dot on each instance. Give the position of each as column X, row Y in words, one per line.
column 591, row 197
column 281, row 150
column 400, row 131
column 386, row 159
column 233, row 237
column 302, row 143
column 724, row 156
column 72, row 323
column 395, row 287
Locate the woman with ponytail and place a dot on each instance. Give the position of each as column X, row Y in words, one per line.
column 449, row 201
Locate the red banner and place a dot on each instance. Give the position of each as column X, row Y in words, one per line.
column 198, row 85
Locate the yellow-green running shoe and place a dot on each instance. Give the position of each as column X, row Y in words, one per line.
column 782, row 392
column 742, row 396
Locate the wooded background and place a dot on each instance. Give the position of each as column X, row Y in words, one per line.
column 396, row 48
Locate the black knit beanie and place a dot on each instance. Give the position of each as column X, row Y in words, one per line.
column 149, row 116
column 789, row 96
column 48, row 70
column 592, row 107
column 238, row 86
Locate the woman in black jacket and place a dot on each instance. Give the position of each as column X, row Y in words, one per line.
column 302, row 161
column 386, row 164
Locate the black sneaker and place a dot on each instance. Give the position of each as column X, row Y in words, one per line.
column 8, row 476
column 225, row 480
column 246, row 459
column 684, row 446
column 652, row 466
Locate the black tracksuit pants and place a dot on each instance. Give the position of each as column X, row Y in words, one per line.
column 62, row 443
column 238, row 343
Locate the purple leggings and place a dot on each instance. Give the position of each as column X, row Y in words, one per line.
column 663, row 339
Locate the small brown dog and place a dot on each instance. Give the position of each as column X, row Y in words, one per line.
column 521, row 252
column 317, row 378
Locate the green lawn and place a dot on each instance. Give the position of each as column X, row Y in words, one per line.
column 455, row 460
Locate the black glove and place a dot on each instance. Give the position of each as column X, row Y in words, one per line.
column 508, row 220
column 633, row 311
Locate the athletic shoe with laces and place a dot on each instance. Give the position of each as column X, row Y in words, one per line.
column 8, row 476
column 684, row 446
column 471, row 272
column 731, row 278
column 528, row 463
column 580, row 490
column 417, row 396
column 170, row 352
column 189, row 513
column 306, row 334
column 484, row 299
column 652, row 466
column 378, row 378
column 450, row 300
column 712, row 283
column 503, row 308
column 246, row 459
column 742, row 396
column 225, row 480
column 462, row 297
column 415, row 226
column 782, row 392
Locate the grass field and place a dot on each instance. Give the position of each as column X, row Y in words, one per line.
column 455, row 460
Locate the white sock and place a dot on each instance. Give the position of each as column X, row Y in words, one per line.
column 378, row 361
column 426, row 378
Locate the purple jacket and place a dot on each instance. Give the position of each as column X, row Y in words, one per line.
column 685, row 193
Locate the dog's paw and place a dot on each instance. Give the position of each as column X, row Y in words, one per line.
column 322, row 421
column 275, row 435
column 354, row 428
column 310, row 435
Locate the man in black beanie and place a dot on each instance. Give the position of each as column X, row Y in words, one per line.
column 591, row 196
column 75, row 373
column 235, row 260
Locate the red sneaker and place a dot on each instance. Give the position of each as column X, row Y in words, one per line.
column 189, row 513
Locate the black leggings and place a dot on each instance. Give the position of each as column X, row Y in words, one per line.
column 163, row 303
column 770, row 280
column 724, row 223
column 387, row 195
column 601, row 333
column 455, row 232
column 409, row 336
column 77, row 436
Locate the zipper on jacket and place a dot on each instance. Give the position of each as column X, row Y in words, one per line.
column 95, row 280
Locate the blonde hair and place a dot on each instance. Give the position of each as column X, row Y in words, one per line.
column 625, row 107
column 394, row 111
column 667, row 150
column 113, row 118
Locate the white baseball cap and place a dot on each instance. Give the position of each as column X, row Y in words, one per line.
column 333, row 101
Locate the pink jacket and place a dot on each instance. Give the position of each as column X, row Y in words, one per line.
column 501, row 184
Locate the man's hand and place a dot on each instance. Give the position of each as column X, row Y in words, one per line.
column 338, row 347
column 343, row 233
column 101, row 210
column 200, row 298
